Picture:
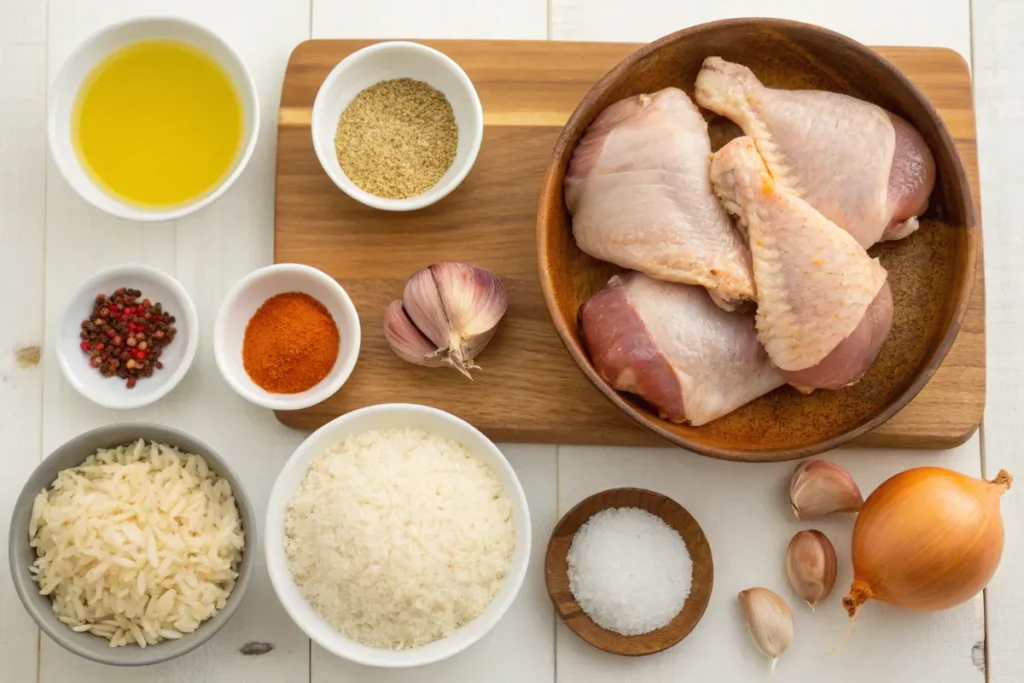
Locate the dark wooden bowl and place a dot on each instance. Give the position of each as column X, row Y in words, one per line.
column 931, row 273
column 556, row 572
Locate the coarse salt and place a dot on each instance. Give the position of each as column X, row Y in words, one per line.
column 629, row 571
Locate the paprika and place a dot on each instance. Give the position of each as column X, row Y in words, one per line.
column 290, row 343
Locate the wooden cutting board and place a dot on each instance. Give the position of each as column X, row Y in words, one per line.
column 530, row 390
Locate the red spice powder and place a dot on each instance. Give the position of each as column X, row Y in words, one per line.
column 290, row 344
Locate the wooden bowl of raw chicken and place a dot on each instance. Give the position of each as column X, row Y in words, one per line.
column 676, row 347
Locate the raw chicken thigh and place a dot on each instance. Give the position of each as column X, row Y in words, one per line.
column 824, row 307
column 638, row 190
column 670, row 345
column 864, row 168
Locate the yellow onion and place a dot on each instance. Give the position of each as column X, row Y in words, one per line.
column 927, row 539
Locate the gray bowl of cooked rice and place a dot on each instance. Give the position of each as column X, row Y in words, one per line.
column 132, row 544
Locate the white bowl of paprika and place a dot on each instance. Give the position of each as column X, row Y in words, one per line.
column 287, row 337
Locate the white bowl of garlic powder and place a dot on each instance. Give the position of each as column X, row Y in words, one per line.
column 397, row 535
column 391, row 61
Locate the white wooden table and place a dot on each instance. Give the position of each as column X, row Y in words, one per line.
column 50, row 240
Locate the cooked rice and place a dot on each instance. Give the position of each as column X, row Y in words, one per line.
column 137, row 544
column 398, row 537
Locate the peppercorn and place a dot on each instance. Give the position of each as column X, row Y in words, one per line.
column 125, row 336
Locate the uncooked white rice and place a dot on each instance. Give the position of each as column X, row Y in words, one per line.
column 398, row 537
column 138, row 544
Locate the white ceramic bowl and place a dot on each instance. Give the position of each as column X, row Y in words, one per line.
column 248, row 295
column 110, row 392
column 65, row 89
column 383, row 62
column 389, row 416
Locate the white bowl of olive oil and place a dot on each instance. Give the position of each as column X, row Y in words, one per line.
column 153, row 118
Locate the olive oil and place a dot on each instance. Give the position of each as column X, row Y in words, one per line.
column 158, row 123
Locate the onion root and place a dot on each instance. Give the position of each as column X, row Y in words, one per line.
column 859, row 593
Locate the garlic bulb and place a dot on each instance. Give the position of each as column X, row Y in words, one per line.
column 769, row 621
column 448, row 313
column 819, row 487
column 811, row 566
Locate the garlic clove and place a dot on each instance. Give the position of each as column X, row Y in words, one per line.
column 769, row 621
column 422, row 302
column 819, row 487
column 811, row 566
column 406, row 340
column 474, row 302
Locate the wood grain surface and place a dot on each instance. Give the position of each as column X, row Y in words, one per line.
column 529, row 389
column 556, row 572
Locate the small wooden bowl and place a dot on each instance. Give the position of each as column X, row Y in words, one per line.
column 556, row 572
column 931, row 272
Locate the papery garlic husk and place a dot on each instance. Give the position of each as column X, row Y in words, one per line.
column 406, row 340
column 927, row 539
column 769, row 621
column 819, row 487
column 811, row 566
column 457, row 307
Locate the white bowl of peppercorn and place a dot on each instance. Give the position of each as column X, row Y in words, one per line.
column 127, row 336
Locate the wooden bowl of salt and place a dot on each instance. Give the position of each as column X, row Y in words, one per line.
column 626, row 501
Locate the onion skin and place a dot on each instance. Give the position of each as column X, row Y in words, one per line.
column 927, row 539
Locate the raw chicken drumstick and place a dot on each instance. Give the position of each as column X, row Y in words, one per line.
column 824, row 307
column 866, row 169
column 638, row 190
column 669, row 344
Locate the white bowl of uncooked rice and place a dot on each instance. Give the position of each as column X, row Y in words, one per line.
column 397, row 536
